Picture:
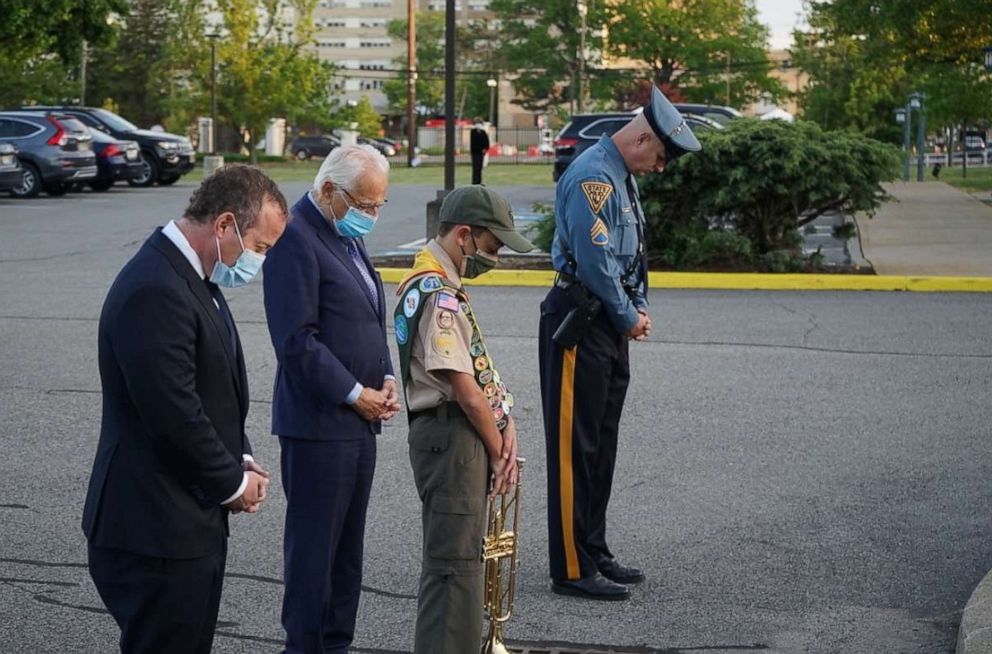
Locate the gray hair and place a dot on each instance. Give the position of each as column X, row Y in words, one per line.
column 343, row 166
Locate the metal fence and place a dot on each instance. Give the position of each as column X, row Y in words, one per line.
column 520, row 145
column 977, row 158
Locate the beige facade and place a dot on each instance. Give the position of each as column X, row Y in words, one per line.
column 792, row 78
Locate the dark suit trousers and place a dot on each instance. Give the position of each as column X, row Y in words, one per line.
column 162, row 606
column 327, row 486
column 582, row 391
column 477, row 159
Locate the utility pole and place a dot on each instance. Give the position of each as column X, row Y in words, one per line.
column 82, row 72
column 213, row 36
column 449, row 95
column 411, row 81
column 583, row 8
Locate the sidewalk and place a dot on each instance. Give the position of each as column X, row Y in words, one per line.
column 932, row 229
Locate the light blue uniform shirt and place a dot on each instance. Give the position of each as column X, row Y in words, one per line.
column 596, row 221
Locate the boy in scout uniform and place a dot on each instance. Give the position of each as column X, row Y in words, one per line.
column 597, row 305
column 462, row 437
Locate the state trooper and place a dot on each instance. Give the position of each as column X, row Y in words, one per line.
column 462, row 435
column 597, row 305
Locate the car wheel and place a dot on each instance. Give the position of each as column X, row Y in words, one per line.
column 101, row 184
column 57, row 189
column 149, row 172
column 302, row 154
column 30, row 183
column 168, row 180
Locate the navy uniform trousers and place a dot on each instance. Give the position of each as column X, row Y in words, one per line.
column 327, row 486
column 582, row 393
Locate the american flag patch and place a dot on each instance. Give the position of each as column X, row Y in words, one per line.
column 447, row 301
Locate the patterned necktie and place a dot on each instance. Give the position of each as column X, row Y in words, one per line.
column 356, row 257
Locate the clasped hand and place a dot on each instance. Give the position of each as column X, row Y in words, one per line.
column 380, row 404
column 258, row 483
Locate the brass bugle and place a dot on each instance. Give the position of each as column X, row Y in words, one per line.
column 499, row 553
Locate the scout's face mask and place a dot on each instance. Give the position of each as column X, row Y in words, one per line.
column 244, row 269
column 477, row 263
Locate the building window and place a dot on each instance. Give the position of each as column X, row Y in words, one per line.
column 371, row 85
column 375, row 43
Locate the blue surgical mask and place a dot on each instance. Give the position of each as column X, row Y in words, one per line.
column 244, row 269
column 355, row 223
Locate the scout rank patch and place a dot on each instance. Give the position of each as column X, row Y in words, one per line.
column 597, row 193
column 599, row 234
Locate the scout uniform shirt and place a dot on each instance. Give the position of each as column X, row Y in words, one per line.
column 436, row 330
column 599, row 225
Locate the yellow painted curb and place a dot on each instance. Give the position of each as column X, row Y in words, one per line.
column 746, row 281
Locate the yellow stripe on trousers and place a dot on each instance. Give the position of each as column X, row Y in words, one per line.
column 566, row 491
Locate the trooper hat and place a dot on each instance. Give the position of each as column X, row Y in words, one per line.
column 478, row 206
column 669, row 125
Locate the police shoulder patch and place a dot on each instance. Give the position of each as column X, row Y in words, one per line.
column 599, row 235
column 597, row 193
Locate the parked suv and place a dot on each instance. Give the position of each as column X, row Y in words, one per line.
column 304, row 147
column 55, row 150
column 11, row 171
column 165, row 157
column 116, row 161
column 585, row 129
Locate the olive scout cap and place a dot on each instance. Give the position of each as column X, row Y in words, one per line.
column 669, row 125
column 480, row 207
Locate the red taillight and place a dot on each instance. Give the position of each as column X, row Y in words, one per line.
column 58, row 138
column 111, row 151
column 566, row 143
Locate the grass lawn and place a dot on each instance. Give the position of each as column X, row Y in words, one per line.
column 979, row 179
column 428, row 175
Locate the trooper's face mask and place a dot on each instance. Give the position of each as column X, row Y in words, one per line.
column 477, row 263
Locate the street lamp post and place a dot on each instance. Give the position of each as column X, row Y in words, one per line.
column 213, row 36
column 916, row 103
column 903, row 118
column 491, row 83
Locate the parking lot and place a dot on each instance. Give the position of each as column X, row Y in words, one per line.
column 799, row 472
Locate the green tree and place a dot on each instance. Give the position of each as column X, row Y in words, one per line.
column 539, row 42
column 712, row 51
column 362, row 113
column 42, row 45
column 265, row 70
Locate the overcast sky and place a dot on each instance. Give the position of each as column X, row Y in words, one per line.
column 781, row 16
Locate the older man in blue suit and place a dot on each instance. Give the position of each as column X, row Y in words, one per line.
column 334, row 385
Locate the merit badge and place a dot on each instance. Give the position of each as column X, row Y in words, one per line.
column 489, row 390
column 498, row 413
column 508, row 397
column 597, row 193
column 599, row 234
column 402, row 332
column 495, row 401
column 447, row 301
column 506, row 408
column 496, row 375
column 466, row 309
column 445, row 319
column 476, row 349
column 481, row 364
column 444, row 342
column 411, row 302
column 430, row 284
column 485, row 377
column 501, row 424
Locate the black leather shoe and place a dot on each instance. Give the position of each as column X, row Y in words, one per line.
column 613, row 570
column 596, row 587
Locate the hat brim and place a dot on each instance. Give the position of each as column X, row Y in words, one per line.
column 512, row 239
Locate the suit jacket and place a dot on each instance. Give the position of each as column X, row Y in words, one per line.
column 175, row 397
column 327, row 332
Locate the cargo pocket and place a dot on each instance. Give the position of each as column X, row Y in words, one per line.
column 455, row 528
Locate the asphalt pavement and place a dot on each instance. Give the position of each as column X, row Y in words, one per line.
column 798, row 472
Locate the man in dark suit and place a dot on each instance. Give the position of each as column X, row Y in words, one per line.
column 173, row 458
column 478, row 142
column 334, row 385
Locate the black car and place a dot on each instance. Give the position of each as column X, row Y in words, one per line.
column 55, row 150
column 585, row 129
column 116, row 161
column 304, row 147
column 714, row 112
column 11, row 171
column 165, row 157
column 382, row 146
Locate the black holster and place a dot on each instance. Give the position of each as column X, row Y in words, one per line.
column 585, row 308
